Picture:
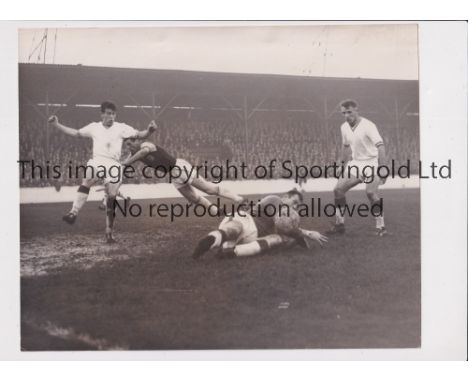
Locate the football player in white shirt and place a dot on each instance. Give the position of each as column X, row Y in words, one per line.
column 107, row 137
column 273, row 222
column 363, row 152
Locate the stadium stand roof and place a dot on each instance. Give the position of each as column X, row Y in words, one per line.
column 90, row 85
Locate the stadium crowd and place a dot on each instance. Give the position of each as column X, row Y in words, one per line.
column 304, row 142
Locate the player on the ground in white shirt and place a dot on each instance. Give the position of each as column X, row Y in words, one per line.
column 107, row 137
column 363, row 153
column 268, row 225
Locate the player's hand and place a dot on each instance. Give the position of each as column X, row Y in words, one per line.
column 315, row 236
column 53, row 120
column 152, row 126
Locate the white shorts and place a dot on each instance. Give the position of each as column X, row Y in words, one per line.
column 249, row 231
column 362, row 169
column 106, row 169
column 182, row 174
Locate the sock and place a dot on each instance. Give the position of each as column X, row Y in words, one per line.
column 340, row 204
column 258, row 246
column 249, row 249
column 219, row 236
column 110, row 214
column 80, row 199
column 379, row 218
column 379, row 222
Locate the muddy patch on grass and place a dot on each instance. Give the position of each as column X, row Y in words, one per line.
column 44, row 255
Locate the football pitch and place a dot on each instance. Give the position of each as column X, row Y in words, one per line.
column 146, row 292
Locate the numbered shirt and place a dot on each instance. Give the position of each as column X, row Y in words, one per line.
column 107, row 141
column 363, row 139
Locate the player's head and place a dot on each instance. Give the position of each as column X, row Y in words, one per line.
column 133, row 144
column 293, row 198
column 108, row 112
column 349, row 108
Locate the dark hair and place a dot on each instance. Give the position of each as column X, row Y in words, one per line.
column 108, row 105
column 348, row 103
column 295, row 191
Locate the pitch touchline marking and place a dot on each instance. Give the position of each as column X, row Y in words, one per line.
column 70, row 334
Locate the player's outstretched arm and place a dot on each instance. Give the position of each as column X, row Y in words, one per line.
column 286, row 227
column 313, row 236
column 303, row 235
column 53, row 121
column 150, row 130
column 137, row 156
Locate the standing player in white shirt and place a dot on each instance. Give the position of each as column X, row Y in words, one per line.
column 363, row 148
column 107, row 137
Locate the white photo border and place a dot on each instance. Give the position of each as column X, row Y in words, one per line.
column 443, row 130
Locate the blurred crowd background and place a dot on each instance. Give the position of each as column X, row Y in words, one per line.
column 213, row 142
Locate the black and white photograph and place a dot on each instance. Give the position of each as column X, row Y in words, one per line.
column 220, row 187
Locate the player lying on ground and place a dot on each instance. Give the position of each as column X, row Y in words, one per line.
column 107, row 136
column 158, row 158
column 362, row 147
column 272, row 241
column 248, row 234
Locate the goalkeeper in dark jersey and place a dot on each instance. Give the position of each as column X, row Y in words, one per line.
column 184, row 179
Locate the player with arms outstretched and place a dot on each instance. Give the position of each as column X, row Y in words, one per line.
column 268, row 226
column 363, row 149
column 185, row 180
column 107, row 136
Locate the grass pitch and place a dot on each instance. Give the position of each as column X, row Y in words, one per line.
column 146, row 292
